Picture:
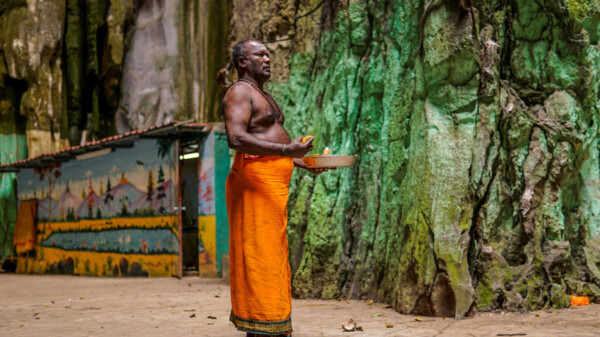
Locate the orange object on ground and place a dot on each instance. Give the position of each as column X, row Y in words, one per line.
column 579, row 300
column 25, row 230
column 260, row 275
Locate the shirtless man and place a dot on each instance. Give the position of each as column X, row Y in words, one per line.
column 253, row 120
column 257, row 195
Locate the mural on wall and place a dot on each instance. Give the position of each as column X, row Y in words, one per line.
column 206, row 208
column 107, row 215
column 206, row 177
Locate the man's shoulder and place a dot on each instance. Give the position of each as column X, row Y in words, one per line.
column 239, row 89
column 238, row 93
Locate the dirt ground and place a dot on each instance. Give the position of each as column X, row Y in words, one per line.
column 89, row 306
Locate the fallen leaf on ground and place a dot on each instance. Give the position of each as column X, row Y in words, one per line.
column 189, row 310
column 418, row 320
column 211, row 317
column 192, row 315
column 22, row 325
column 369, row 302
column 389, row 325
column 350, row 326
column 377, row 315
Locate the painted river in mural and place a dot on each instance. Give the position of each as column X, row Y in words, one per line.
column 129, row 241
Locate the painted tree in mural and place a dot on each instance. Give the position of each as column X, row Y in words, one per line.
column 161, row 189
column 70, row 215
column 90, row 199
column 51, row 172
column 124, row 200
column 150, row 191
column 108, row 198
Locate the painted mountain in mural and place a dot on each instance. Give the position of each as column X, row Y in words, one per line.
column 96, row 202
column 142, row 202
column 123, row 193
column 46, row 204
column 66, row 204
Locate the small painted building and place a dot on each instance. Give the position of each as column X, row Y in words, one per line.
column 146, row 203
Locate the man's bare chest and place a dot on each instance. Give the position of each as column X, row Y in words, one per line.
column 263, row 113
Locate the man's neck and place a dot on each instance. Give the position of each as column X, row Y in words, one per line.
column 252, row 80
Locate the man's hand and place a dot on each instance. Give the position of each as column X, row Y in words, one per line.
column 298, row 162
column 317, row 171
column 297, row 149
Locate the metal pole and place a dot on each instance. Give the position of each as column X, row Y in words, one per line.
column 180, row 270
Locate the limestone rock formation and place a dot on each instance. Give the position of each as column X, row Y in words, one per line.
column 102, row 67
column 477, row 184
column 30, row 92
column 171, row 67
column 30, row 71
column 477, row 178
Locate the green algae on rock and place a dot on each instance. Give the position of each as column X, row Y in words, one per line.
column 477, row 182
column 477, row 160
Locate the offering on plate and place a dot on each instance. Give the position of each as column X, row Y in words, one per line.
column 327, row 160
column 306, row 138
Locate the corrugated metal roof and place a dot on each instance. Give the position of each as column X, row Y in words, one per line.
column 165, row 130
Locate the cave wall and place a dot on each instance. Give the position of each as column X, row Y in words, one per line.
column 30, row 92
column 88, row 69
column 476, row 184
column 170, row 70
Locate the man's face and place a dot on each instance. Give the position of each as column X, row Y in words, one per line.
column 256, row 61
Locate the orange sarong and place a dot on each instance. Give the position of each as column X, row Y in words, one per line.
column 260, row 275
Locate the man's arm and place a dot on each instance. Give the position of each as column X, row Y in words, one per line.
column 237, row 112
